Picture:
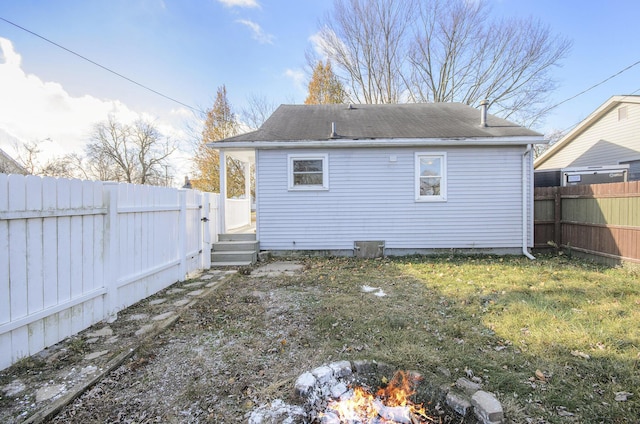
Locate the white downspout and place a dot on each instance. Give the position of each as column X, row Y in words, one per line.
column 525, row 203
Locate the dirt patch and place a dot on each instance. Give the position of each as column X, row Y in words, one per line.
column 37, row 385
column 245, row 343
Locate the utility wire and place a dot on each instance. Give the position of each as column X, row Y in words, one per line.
column 566, row 130
column 104, row 67
column 592, row 87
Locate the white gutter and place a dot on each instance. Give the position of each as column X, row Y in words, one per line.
column 388, row 142
column 525, row 220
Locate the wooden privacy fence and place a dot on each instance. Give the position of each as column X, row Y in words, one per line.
column 598, row 219
column 73, row 253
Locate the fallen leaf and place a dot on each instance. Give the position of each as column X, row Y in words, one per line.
column 562, row 411
column 580, row 354
column 623, row 396
column 540, row 375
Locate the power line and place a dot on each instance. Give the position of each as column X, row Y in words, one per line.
column 566, row 130
column 592, row 87
column 104, row 67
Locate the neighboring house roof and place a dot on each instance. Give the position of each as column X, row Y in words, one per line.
column 9, row 166
column 296, row 123
column 583, row 126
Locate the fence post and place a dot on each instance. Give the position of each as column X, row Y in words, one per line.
column 110, row 200
column 182, row 233
column 557, row 216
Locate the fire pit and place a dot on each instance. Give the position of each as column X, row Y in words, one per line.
column 391, row 403
column 367, row 392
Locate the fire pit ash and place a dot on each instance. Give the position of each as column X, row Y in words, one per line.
column 367, row 393
column 391, row 403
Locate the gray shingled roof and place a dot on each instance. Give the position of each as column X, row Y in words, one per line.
column 387, row 121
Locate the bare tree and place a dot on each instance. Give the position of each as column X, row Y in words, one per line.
column 553, row 136
column 443, row 51
column 366, row 40
column 258, row 110
column 30, row 158
column 152, row 153
column 459, row 54
column 136, row 153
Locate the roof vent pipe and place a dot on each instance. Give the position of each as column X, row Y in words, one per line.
column 483, row 112
column 334, row 134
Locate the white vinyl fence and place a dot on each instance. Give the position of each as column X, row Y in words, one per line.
column 238, row 213
column 73, row 253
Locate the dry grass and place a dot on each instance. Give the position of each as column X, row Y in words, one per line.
column 555, row 339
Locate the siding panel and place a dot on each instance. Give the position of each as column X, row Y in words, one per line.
column 606, row 142
column 370, row 198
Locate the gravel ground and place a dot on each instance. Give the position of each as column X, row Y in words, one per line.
column 210, row 367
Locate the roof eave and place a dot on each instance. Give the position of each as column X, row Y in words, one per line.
column 595, row 116
column 394, row 142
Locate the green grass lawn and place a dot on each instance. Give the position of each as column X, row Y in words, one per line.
column 557, row 339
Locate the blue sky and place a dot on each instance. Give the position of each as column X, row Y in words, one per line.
column 185, row 49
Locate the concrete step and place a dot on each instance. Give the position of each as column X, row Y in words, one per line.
column 226, row 246
column 237, row 237
column 250, row 256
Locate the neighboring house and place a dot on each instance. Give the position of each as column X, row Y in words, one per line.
column 9, row 166
column 608, row 139
column 416, row 178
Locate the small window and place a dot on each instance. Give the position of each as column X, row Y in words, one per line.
column 622, row 113
column 431, row 177
column 308, row 172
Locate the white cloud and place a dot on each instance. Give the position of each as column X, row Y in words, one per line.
column 258, row 33
column 32, row 110
column 240, row 3
column 35, row 110
column 298, row 78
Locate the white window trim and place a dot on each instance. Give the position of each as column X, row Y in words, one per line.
column 443, row 184
column 325, row 171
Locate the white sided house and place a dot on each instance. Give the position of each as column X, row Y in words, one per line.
column 396, row 179
column 607, row 141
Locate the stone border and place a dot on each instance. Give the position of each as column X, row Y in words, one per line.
column 316, row 388
column 150, row 331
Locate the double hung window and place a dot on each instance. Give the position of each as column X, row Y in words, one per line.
column 431, row 177
column 308, row 172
